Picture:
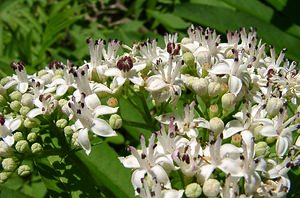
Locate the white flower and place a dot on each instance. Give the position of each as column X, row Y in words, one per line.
column 45, row 104
column 7, row 126
column 87, row 120
column 281, row 130
column 125, row 69
column 21, row 79
column 166, row 84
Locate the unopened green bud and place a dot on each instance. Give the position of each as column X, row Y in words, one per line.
column 213, row 110
column 224, row 88
column 27, row 100
column 5, row 150
column 271, row 140
column 68, row 131
column 211, row 188
column 273, row 106
column 216, row 125
column 31, row 137
column 24, row 170
column 261, row 149
column 75, row 139
column 42, row 72
column 189, row 59
column 30, row 123
column 59, row 72
column 214, row 89
column 228, row 101
column 15, row 95
column 61, row 123
column 22, row 146
column 115, row 121
column 4, row 176
column 62, row 102
column 36, row 148
column 4, row 80
column 199, row 85
column 35, row 130
column 18, row 136
column 193, row 190
column 256, row 132
column 24, row 110
column 8, row 164
column 2, row 100
column 15, row 105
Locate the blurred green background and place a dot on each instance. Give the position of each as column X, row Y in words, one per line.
column 38, row 31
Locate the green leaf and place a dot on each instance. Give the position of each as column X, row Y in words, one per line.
column 217, row 3
column 224, row 19
column 6, row 192
column 168, row 19
column 105, row 168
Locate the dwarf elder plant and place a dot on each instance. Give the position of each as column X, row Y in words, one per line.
column 210, row 118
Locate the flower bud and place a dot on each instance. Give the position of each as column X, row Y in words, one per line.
column 211, row 188
column 273, row 106
column 214, row 89
column 193, row 190
column 261, row 149
column 213, row 110
column 189, row 59
column 31, row 137
column 59, row 72
column 61, row 123
column 112, row 102
column 5, row 150
column 27, row 100
column 18, row 136
column 115, row 121
column 9, row 164
column 271, row 140
column 4, row 80
column 4, row 176
column 199, row 85
column 236, row 139
column 36, row 148
column 15, row 95
column 2, row 100
column 24, row 110
column 256, row 132
column 75, row 139
column 22, row 146
column 68, row 131
column 15, row 105
column 228, row 101
column 31, row 123
column 216, row 125
column 224, row 88
column 62, row 102
column 24, row 170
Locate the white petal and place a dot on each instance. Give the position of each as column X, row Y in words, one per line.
column 161, row 175
column 201, row 122
column 139, row 66
column 235, row 85
column 15, row 124
column 22, row 87
column 61, row 89
column 113, row 72
column 136, row 177
column 229, row 150
column 100, row 88
column 137, row 80
column 92, row 101
column 34, row 112
column 58, row 81
column 232, row 127
column 221, row 68
column 9, row 140
column 231, row 166
column 155, row 84
column 102, row 128
column 83, row 140
column 120, row 80
column 10, row 83
column 104, row 110
column 205, row 172
column 282, row 145
column 268, row 131
column 297, row 143
column 171, row 193
column 129, row 161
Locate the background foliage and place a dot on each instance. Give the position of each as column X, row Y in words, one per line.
column 38, row 31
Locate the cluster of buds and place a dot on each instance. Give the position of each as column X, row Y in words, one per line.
column 240, row 128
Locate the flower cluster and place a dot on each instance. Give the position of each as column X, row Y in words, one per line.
column 237, row 135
